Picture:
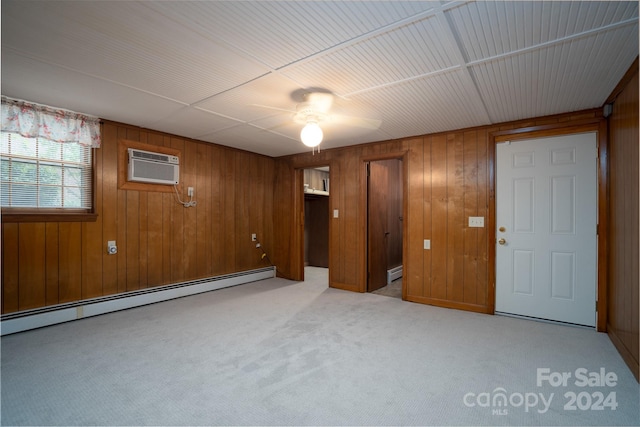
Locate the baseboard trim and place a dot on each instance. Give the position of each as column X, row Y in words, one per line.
column 345, row 287
column 476, row 308
column 632, row 363
column 31, row 319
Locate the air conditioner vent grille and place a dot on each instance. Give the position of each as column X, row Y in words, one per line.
column 158, row 157
column 157, row 168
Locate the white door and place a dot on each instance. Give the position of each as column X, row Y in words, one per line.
column 546, row 217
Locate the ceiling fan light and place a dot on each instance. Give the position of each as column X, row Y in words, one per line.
column 311, row 135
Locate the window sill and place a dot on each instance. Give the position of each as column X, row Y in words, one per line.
column 47, row 217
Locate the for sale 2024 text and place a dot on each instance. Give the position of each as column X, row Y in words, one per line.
column 584, row 390
column 593, row 398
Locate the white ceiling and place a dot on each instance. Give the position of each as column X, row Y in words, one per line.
column 197, row 69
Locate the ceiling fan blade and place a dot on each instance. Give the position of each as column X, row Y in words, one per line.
column 355, row 121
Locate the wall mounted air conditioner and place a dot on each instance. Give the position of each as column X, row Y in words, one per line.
column 156, row 168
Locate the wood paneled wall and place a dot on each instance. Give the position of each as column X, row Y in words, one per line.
column 449, row 181
column 623, row 299
column 448, row 178
column 159, row 241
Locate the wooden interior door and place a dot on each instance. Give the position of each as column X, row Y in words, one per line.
column 377, row 221
column 316, row 231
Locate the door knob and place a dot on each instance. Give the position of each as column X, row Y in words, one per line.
column 501, row 241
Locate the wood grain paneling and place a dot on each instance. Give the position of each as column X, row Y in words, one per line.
column 10, row 276
column 178, row 267
column 623, row 323
column 439, row 220
column 204, row 248
column 92, row 245
column 109, row 183
column 416, row 273
column 470, row 208
column 31, row 267
column 449, row 178
column 217, row 212
column 52, row 245
column 159, row 241
column 69, row 262
column 455, row 216
column 350, row 217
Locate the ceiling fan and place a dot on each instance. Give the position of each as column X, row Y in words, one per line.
column 315, row 110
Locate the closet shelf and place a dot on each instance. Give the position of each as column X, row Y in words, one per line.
column 316, row 192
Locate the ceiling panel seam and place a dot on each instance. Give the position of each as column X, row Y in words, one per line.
column 281, row 71
column 373, row 33
column 456, row 51
column 406, row 80
column 207, row 98
column 550, row 43
column 55, row 64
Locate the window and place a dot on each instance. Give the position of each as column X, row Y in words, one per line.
column 37, row 173
column 46, row 165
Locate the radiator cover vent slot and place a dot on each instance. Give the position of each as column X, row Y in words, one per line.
column 394, row 274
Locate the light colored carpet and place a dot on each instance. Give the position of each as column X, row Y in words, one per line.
column 277, row 352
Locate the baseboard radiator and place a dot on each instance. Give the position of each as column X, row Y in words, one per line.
column 37, row 318
column 393, row 274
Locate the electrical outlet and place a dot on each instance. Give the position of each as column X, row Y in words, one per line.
column 190, row 191
column 112, row 249
column 476, row 221
column 254, row 237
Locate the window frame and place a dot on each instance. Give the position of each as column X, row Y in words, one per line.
column 19, row 214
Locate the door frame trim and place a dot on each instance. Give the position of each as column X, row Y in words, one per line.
column 596, row 124
column 404, row 157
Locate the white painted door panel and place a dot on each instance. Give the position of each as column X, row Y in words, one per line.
column 546, row 217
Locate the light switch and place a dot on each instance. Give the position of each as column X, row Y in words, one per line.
column 427, row 244
column 335, row 213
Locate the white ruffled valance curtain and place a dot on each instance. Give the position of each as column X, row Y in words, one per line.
column 35, row 120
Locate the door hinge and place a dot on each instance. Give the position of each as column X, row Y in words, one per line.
column 596, row 306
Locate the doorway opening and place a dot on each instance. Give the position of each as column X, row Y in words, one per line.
column 385, row 187
column 316, row 220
